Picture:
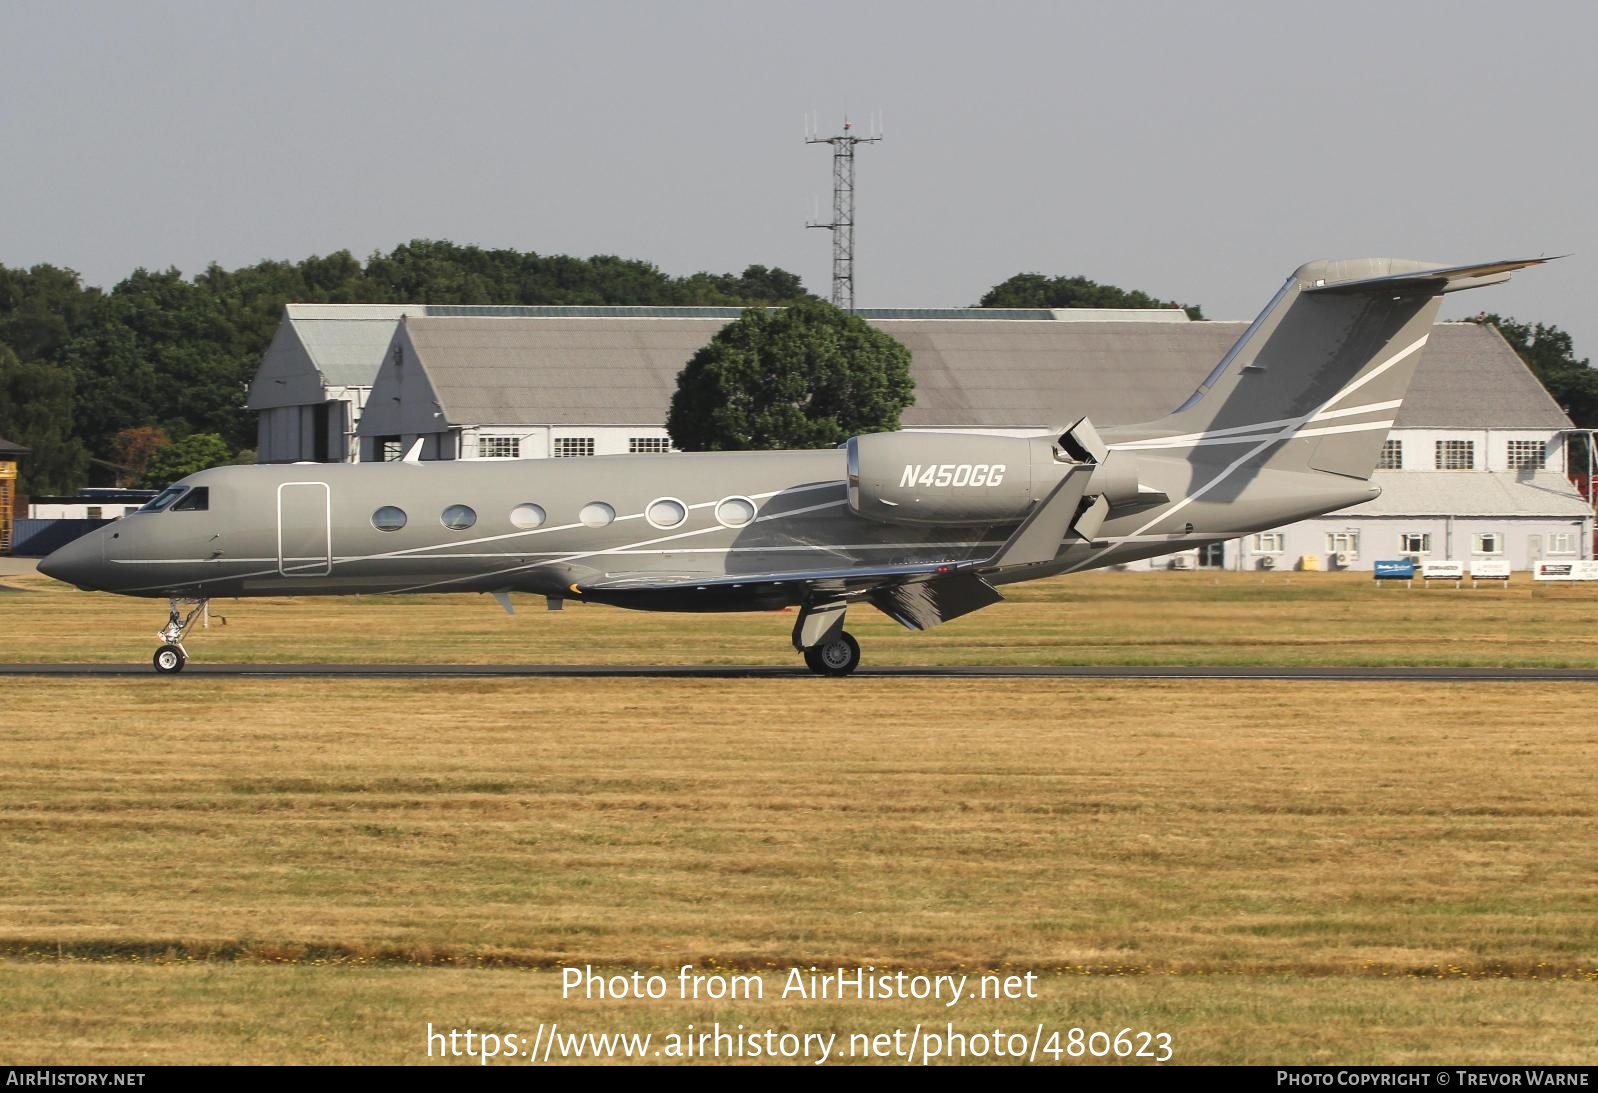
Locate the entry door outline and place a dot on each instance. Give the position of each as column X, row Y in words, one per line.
column 304, row 567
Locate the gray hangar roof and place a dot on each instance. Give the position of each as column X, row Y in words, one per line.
column 605, row 370
column 324, row 345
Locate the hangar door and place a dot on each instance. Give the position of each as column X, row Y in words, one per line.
column 304, row 529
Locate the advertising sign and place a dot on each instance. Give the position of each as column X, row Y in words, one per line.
column 1485, row 570
column 1565, row 571
column 1392, row 569
column 1442, row 571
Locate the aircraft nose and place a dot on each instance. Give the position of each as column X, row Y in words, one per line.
column 75, row 563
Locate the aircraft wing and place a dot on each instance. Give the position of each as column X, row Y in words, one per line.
column 916, row 595
column 843, row 580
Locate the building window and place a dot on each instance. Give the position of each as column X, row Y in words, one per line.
column 1415, row 542
column 1526, row 455
column 1342, row 542
column 569, row 447
column 1562, row 542
column 499, row 447
column 1268, row 542
column 388, row 449
column 1456, row 455
column 1489, row 542
column 94, row 512
column 1392, row 458
column 648, row 445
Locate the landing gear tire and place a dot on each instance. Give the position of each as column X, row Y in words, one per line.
column 837, row 657
column 169, row 659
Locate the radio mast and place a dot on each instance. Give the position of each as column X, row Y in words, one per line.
column 842, row 225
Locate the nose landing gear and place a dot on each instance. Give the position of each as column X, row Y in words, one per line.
column 171, row 657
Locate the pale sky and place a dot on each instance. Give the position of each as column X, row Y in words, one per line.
column 1196, row 151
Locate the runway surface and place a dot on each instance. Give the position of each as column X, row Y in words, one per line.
column 627, row 671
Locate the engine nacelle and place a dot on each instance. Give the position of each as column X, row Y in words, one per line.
column 962, row 479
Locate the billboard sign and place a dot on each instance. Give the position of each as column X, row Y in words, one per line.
column 1394, row 569
column 1572, row 570
column 1489, row 570
column 1442, row 571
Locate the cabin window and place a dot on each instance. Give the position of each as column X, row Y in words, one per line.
column 735, row 512
column 527, row 516
column 458, row 517
column 196, row 500
column 388, row 518
column 160, row 501
column 597, row 514
column 666, row 513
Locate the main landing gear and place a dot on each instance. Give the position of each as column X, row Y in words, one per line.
column 828, row 649
column 171, row 657
column 837, row 657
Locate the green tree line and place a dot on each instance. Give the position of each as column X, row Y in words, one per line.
column 171, row 357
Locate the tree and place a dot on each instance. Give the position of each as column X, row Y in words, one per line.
column 36, row 412
column 808, row 376
column 1036, row 290
column 195, row 453
column 133, row 448
column 1551, row 355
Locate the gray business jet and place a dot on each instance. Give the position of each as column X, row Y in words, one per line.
column 924, row 526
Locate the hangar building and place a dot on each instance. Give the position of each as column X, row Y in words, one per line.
column 1473, row 467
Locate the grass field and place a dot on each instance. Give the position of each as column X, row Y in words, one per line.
column 269, row 870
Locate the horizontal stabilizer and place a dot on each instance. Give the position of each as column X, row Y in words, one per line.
column 1439, row 279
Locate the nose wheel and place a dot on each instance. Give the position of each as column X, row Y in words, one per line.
column 837, row 656
column 171, row 657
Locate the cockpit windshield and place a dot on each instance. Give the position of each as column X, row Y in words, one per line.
column 196, row 500
column 163, row 500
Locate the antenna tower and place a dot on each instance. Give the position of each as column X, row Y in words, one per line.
column 842, row 225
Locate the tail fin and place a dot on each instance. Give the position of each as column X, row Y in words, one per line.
column 1324, row 367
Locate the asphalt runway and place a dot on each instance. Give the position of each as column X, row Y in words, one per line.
column 626, row 671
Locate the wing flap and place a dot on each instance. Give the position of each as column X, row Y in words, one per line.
column 921, row 605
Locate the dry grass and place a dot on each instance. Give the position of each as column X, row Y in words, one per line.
column 1093, row 618
column 272, row 870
